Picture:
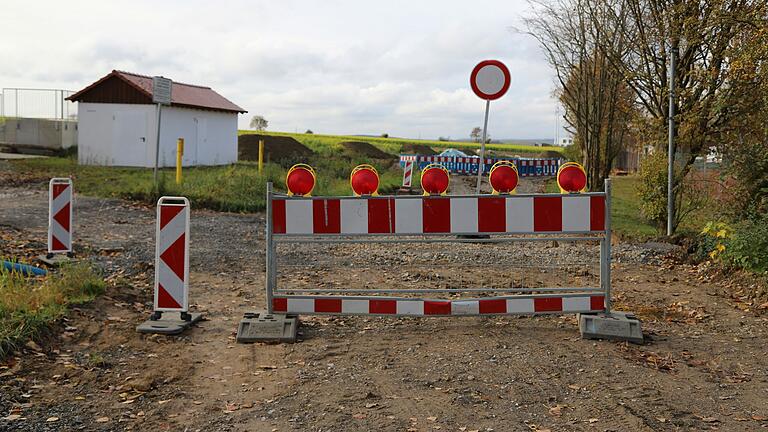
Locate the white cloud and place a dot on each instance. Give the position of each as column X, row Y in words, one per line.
column 337, row 66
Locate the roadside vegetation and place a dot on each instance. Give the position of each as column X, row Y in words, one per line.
column 29, row 306
column 318, row 142
column 233, row 188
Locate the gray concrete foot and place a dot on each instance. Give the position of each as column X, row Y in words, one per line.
column 261, row 326
column 170, row 323
column 56, row 260
column 616, row 325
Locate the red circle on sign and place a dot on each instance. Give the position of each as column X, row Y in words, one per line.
column 485, row 79
column 365, row 181
column 434, row 180
column 572, row 179
column 503, row 179
column 300, row 181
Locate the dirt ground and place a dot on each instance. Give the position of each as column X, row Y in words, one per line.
column 704, row 365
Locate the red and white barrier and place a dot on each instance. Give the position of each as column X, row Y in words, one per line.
column 519, row 305
column 172, row 255
column 408, row 173
column 517, row 214
column 60, row 215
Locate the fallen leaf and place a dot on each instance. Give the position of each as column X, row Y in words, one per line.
column 247, row 405
column 710, row 419
column 52, row 419
column 12, row 417
column 163, row 402
column 593, row 420
column 371, row 405
column 759, row 418
column 102, row 419
column 556, row 410
column 432, row 418
column 359, row 416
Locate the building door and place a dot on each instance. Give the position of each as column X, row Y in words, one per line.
column 129, row 139
column 193, row 157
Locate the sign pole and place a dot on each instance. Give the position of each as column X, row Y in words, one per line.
column 157, row 141
column 482, row 147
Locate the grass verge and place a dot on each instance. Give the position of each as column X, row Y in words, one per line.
column 29, row 307
column 318, row 142
column 234, row 188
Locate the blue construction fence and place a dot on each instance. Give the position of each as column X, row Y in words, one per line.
column 526, row 167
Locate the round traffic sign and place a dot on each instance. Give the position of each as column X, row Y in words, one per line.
column 490, row 79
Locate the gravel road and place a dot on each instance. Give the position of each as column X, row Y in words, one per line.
column 704, row 366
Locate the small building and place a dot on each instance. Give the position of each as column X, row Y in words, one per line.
column 118, row 124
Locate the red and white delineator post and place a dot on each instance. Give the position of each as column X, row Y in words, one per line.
column 408, row 173
column 60, row 203
column 172, row 257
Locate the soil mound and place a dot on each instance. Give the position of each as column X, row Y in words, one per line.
column 419, row 149
column 550, row 154
column 362, row 148
column 280, row 149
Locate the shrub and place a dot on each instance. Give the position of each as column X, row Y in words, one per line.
column 689, row 196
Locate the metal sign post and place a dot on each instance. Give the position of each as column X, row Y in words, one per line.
column 490, row 79
column 161, row 95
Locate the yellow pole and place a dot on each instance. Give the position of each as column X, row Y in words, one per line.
column 261, row 156
column 179, row 154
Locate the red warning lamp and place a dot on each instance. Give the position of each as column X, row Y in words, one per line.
column 503, row 177
column 300, row 180
column 434, row 179
column 364, row 180
column 571, row 178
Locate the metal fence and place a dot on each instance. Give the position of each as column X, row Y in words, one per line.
column 37, row 103
column 365, row 255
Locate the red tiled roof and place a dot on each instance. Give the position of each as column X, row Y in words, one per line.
column 184, row 95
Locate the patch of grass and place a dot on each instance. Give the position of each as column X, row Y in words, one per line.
column 233, row 188
column 626, row 219
column 319, row 143
column 30, row 306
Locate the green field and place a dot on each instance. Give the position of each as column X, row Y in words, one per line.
column 394, row 145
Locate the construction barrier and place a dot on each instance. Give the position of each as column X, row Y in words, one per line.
column 172, row 255
column 468, row 165
column 60, row 196
column 583, row 218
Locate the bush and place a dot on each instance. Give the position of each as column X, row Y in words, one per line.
column 743, row 246
column 572, row 153
column 689, row 195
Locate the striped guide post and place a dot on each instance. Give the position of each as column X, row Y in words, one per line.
column 408, row 173
column 60, row 216
column 172, row 255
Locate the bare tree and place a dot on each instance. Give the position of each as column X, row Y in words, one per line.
column 579, row 37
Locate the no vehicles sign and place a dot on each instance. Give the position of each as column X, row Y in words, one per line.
column 490, row 79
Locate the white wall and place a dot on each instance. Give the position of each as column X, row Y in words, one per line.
column 104, row 140
column 210, row 137
column 125, row 134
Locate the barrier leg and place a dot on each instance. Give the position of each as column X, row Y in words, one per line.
column 267, row 326
column 171, row 270
column 609, row 324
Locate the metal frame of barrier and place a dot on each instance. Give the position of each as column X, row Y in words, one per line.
column 581, row 217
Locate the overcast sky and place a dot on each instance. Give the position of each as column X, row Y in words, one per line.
column 333, row 66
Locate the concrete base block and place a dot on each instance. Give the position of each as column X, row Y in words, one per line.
column 170, row 323
column 56, row 260
column 616, row 325
column 261, row 326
